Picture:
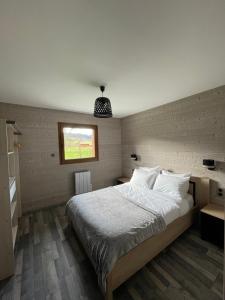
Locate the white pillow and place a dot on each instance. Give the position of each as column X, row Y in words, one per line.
column 164, row 172
column 144, row 178
column 176, row 187
column 155, row 169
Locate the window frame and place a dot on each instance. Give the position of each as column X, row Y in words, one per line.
column 61, row 126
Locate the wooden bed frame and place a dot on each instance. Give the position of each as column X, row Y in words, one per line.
column 138, row 257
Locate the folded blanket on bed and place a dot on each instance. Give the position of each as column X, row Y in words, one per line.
column 109, row 225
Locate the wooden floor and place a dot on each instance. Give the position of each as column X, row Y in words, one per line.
column 50, row 264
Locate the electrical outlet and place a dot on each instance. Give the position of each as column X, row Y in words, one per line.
column 220, row 192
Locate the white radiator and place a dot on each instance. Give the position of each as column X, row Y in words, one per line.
column 82, row 182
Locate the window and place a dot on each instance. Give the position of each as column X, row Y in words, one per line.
column 77, row 143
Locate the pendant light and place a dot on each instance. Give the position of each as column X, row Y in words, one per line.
column 102, row 106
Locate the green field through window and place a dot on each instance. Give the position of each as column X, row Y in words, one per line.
column 78, row 143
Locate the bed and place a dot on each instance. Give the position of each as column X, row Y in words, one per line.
column 121, row 230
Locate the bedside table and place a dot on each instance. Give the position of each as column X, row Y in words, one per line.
column 212, row 224
column 121, row 180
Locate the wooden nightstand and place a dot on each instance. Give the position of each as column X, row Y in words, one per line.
column 121, row 180
column 212, row 224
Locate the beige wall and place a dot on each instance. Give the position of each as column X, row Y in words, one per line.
column 43, row 180
column 177, row 136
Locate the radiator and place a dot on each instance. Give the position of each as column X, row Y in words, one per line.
column 82, row 182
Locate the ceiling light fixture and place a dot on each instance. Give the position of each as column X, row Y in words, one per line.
column 102, row 106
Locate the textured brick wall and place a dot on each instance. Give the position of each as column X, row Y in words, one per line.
column 179, row 135
column 43, row 180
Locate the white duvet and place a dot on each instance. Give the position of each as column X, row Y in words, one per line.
column 169, row 208
column 112, row 221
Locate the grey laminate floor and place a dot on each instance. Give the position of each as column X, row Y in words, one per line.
column 50, row 264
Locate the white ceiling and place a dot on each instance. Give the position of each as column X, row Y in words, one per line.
column 55, row 53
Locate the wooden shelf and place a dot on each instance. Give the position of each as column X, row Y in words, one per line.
column 10, row 202
column 14, row 233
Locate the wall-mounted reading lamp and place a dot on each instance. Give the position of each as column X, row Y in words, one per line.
column 133, row 156
column 209, row 164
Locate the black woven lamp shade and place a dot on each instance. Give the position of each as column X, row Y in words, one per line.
column 103, row 107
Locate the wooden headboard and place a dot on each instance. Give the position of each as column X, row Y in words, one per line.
column 200, row 189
